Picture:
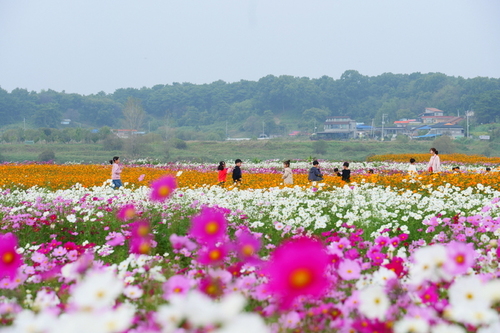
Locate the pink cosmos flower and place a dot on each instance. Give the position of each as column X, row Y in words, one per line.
column 141, row 177
column 162, row 188
column 117, row 239
column 429, row 295
column 247, row 247
column 126, row 212
column 460, row 257
column 349, row 269
column 10, row 260
column 140, row 245
column 209, row 226
column 212, row 255
column 176, row 285
column 296, row 268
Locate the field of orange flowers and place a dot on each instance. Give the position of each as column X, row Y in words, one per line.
column 455, row 158
column 53, row 177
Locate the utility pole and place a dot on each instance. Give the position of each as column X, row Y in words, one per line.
column 226, row 130
column 383, row 123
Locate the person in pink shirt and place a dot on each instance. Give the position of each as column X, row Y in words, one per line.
column 116, row 171
column 434, row 165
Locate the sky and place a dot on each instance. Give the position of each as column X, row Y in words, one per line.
column 88, row 46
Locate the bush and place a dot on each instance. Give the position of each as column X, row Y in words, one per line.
column 179, row 144
column 47, row 155
column 444, row 145
column 112, row 142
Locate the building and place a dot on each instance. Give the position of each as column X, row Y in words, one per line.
column 451, row 130
column 337, row 128
column 435, row 116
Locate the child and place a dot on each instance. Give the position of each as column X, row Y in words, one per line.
column 116, row 170
column 455, row 169
column 287, row 173
column 336, row 172
column 222, row 173
column 346, row 173
column 237, row 172
column 315, row 173
column 412, row 169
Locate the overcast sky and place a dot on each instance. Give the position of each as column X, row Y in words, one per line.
column 87, row 46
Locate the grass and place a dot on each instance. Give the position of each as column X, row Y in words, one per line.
column 213, row 151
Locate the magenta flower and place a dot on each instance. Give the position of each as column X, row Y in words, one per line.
column 162, row 188
column 247, row 247
column 297, row 268
column 212, row 255
column 126, row 212
column 10, row 260
column 141, row 177
column 429, row 295
column 349, row 269
column 140, row 245
column 209, row 226
column 460, row 257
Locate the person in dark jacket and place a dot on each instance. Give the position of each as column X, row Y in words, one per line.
column 315, row 173
column 237, row 172
column 346, row 173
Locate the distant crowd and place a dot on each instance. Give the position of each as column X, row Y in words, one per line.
column 315, row 174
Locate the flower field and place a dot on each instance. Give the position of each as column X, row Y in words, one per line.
column 172, row 251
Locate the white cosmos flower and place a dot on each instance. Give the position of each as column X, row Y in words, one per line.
column 245, row 323
column 429, row 262
column 374, row 303
column 98, row 289
column 411, row 325
column 447, row 328
column 133, row 292
column 27, row 322
column 71, row 218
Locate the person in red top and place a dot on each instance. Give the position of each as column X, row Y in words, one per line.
column 222, row 173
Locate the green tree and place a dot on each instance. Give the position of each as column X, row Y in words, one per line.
column 47, row 115
column 133, row 114
column 488, row 107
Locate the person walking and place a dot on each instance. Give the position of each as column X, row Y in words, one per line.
column 116, row 171
column 222, row 173
column 287, row 173
column 434, row 165
column 315, row 173
column 237, row 172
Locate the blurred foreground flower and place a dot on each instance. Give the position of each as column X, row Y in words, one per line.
column 10, row 260
column 209, row 226
column 297, row 268
column 126, row 212
column 162, row 188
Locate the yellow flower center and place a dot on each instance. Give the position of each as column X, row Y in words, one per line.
column 144, row 248
column 300, row 278
column 8, row 258
column 214, row 254
column 129, row 213
column 248, row 250
column 460, row 259
column 143, row 230
column 164, row 190
column 211, row 227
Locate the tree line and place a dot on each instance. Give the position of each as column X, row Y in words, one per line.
column 251, row 103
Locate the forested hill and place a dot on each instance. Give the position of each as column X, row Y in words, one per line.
column 362, row 97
